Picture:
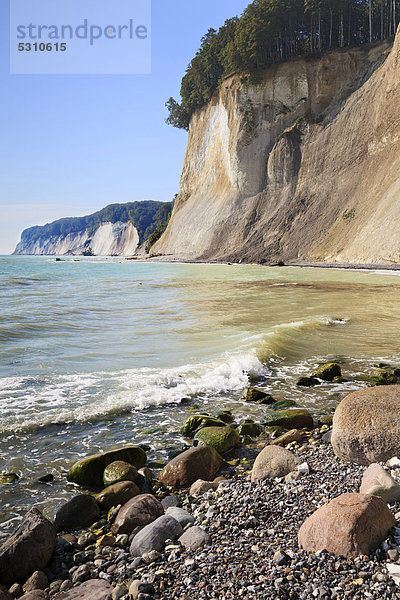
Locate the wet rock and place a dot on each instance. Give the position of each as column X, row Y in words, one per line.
column 273, row 461
column 200, row 487
column 250, row 428
column 378, row 482
column 194, row 538
column 78, row 512
column 137, row 512
column 197, row 422
column 222, row 439
column 254, row 395
column 89, row 471
column 116, row 494
column 350, row 525
column 29, row 549
column 182, row 516
column 94, row 589
column 202, row 462
column 328, row 372
column 283, row 404
column 117, row 471
column 366, row 425
column 307, row 382
column 225, row 416
column 147, row 474
column 8, row 478
column 37, row 581
column 292, row 418
column 294, row 435
column 154, row 535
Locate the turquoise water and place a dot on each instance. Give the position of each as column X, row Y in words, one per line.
column 96, row 353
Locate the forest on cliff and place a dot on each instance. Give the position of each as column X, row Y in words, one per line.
column 271, row 31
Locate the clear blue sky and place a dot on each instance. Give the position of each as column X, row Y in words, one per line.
column 72, row 144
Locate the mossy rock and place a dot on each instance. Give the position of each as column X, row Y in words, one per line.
column 222, row 439
column 292, row 418
column 225, row 416
column 258, row 396
column 197, row 422
column 282, row 404
column 118, row 471
column 250, row 429
column 8, row 478
column 89, row 471
column 328, row 372
column 379, row 377
column 307, row 382
column 339, row 380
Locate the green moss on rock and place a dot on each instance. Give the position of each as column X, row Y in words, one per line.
column 292, row 419
column 222, row 439
column 197, row 422
column 328, row 371
column 307, row 382
column 118, row 471
column 254, row 395
column 250, row 429
column 282, row 404
column 89, row 471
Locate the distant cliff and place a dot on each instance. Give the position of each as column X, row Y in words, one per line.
column 303, row 166
column 117, row 230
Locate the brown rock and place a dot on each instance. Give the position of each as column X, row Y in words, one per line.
column 37, row 581
column 137, row 512
column 94, row 589
column 294, row 435
column 378, row 482
column 29, row 549
column 119, row 493
column 202, row 462
column 200, row 487
column 4, row 594
column 349, row 526
column 273, row 461
column 35, row 595
column 366, row 425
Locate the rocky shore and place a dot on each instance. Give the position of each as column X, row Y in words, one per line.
column 298, row 509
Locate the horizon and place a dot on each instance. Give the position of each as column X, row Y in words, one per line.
column 112, row 125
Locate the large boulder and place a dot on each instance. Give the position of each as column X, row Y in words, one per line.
column 154, row 535
column 94, row 589
column 137, row 512
column 78, row 512
column 116, row 494
column 222, row 439
column 89, row 471
column 202, row 462
column 292, row 418
column 118, row 471
column 196, row 422
column 349, row 525
column 378, row 482
column 5, row 594
column 273, row 461
column 29, row 549
column 366, row 425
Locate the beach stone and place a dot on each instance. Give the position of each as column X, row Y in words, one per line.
column 35, row 595
column 378, row 482
column 89, row 471
column 154, row 535
column 222, row 439
column 147, row 474
column 8, row 478
column 294, row 435
column 5, row 594
column 283, row 404
column 273, row 461
column 116, row 494
column 78, row 512
column 139, row 587
column 202, row 462
column 200, row 487
column 117, row 471
column 350, row 525
column 94, row 589
column 307, row 381
column 182, row 516
column 170, row 502
column 328, row 372
column 137, row 512
column 194, row 538
column 225, row 416
column 292, row 418
column 29, row 549
column 366, row 425
column 197, row 422
column 251, row 429
column 254, row 395
column 37, row 581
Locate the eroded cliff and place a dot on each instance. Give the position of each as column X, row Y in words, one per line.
column 303, row 166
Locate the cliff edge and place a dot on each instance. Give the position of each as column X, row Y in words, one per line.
column 303, row 166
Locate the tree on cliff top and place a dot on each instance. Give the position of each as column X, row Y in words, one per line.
column 271, row 31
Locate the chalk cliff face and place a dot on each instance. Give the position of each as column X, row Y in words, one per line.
column 304, row 166
column 110, row 239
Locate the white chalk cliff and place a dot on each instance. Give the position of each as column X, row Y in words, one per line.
column 304, row 166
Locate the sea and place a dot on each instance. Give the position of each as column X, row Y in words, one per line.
column 99, row 353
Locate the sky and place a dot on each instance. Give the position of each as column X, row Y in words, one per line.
column 71, row 144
